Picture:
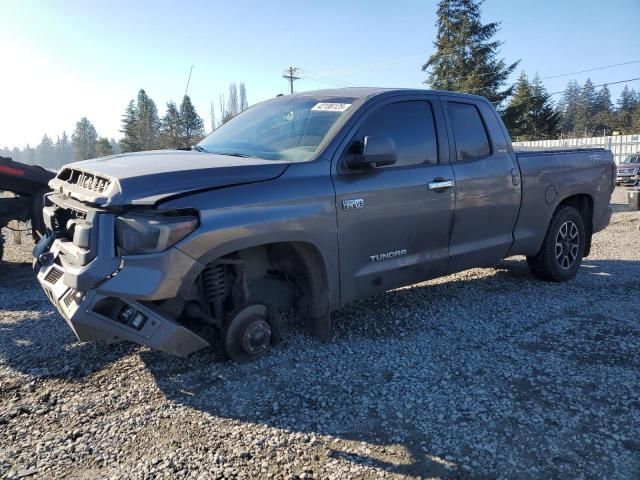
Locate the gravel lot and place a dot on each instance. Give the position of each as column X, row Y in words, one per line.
column 485, row 374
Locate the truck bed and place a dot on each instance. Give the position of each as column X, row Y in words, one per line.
column 550, row 175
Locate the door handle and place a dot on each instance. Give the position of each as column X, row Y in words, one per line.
column 441, row 184
column 515, row 177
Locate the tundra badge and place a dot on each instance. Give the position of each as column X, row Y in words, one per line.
column 387, row 255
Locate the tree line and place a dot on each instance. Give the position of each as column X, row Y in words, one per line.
column 141, row 128
column 466, row 58
column 84, row 144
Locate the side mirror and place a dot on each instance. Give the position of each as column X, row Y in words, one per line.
column 376, row 152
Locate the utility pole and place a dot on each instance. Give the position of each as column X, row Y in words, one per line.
column 290, row 74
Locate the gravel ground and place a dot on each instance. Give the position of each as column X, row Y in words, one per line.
column 489, row 373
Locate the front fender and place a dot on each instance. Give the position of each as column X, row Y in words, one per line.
column 292, row 208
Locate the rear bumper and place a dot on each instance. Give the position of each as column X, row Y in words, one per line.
column 93, row 316
column 602, row 222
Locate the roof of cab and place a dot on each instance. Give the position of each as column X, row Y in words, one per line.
column 366, row 92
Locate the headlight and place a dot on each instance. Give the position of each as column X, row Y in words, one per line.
column 148, row 232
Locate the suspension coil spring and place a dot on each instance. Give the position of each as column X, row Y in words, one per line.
column 214, row 279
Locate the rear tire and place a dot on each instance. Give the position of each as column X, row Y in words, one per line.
column 563, row 247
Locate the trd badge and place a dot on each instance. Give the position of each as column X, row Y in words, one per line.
column 352, row 204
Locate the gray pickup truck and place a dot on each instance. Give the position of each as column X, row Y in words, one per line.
column 308, row 201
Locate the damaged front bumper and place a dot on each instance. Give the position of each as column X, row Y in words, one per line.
column 105, row 297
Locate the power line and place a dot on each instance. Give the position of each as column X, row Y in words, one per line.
column 324, row 78
column 603, row 84
column 321, row 77
column 591, row 70
column 290, row 75
column 552, row 76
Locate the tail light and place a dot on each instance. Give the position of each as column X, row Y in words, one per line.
column 17, row 172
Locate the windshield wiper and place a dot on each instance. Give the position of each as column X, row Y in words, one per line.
column 198, row 148
column 234, row 154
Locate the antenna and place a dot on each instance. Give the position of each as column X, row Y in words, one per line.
column 188, row 81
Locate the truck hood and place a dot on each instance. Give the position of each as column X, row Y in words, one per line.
column 144, row 178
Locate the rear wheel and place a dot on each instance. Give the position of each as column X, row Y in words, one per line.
column 561, row 253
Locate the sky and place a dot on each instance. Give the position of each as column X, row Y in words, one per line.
column 63, row 60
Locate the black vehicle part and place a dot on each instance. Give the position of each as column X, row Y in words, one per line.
column 247, row 335
column 215, row 285
column 29, row 184
column 563, row 248
column 23, row 179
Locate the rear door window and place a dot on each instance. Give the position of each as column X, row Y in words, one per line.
column 472, row 141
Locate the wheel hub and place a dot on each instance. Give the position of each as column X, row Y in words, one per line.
column 248, row 334
column 567, row 244
column 257, row 336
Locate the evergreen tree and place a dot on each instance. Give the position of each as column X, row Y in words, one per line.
column 516, row 115
column 585, row 111
column 64, row 150
column 45, row 153
column 56, row 153
column 115, row 148
column 192, row 126
column 28, row 155
column 603, row 118
column 626, row 105
column 546, row 119
column 84, row 140
column 129, row 141
column 530, row 114
column 103, row 147
column 147, row 122
column 140, row 125
column 171, row 128
column 635, row 119
column 466, row 57
column 16, row 155
column 568, row 108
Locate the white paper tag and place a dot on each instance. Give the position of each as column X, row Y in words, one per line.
column 331, row 107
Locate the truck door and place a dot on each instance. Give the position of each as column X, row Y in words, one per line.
column 487, row 185
column 394, row 221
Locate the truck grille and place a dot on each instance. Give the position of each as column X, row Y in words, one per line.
column 84, row 180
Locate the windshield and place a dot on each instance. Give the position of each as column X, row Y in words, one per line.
column 286, row 128
column 632, row 159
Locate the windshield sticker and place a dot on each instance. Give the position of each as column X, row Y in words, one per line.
column 331, row 107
